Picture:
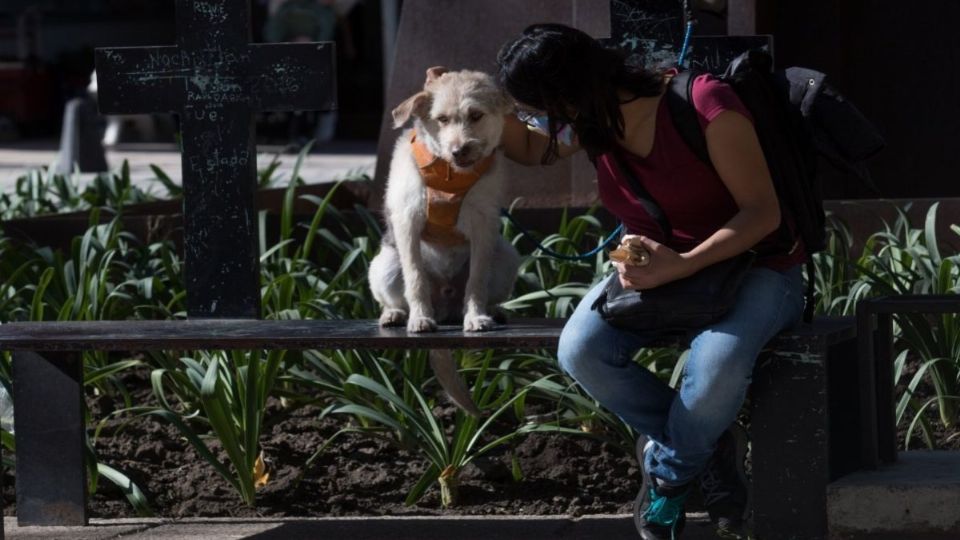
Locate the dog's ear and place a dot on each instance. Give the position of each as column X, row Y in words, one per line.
column 415, row 105
column 434, row 73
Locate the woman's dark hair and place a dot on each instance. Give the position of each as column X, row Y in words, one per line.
column 559, row 69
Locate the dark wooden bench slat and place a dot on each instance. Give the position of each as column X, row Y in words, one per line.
column 325, row 334
column 265, row 334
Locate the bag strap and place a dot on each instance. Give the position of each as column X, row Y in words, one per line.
column 643, row 196
column 679, row 97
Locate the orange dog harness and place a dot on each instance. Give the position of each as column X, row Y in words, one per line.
column 446, row 189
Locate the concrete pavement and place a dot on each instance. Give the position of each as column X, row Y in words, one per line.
column 337, row 160
column 917, row 497
column 360, row 528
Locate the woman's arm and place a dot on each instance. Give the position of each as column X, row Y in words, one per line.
column 738, row 159
column 526, row 146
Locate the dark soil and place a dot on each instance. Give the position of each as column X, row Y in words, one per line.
column 562, row 475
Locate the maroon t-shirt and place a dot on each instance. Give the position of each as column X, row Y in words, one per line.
column 693, row 197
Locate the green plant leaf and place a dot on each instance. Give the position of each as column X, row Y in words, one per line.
column 173, row 190
column 431, row 475
column 130, row 489
column 930, row 234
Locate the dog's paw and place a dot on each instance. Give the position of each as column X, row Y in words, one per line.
column 478, row 323
column 421, row 324
column 393, row 317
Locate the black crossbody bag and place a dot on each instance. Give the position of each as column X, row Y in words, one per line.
column 685, row 304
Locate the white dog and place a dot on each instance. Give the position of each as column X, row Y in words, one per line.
column 443, row 255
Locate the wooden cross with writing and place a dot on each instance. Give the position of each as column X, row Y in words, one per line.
column 215, row 79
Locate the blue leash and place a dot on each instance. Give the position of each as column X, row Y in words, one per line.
column 686, row 44
column 616, row 232
column 689, row 21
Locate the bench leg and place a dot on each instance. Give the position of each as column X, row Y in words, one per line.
column 49, row 434
column 790, row 443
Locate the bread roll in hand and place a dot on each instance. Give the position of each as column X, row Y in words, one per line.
column 631, row 251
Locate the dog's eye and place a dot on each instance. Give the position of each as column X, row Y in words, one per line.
column 475, row 116
column 443, row 119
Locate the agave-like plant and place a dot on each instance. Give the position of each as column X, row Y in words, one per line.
column 225, row 393
column 40, row 191
column 902, row 259
column 392, row 407
column 834, row 272
column 911, row 262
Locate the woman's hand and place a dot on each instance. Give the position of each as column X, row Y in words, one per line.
column 666, row 265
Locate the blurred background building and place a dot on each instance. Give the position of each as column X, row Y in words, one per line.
column 896, row 60
column 46, row 58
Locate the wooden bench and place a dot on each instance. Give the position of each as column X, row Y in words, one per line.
column 803, row 416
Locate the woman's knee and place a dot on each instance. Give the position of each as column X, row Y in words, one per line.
column 572, row 349
column 579, row 337
column 718, row 368
column 586, row 346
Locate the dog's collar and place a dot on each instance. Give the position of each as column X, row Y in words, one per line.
column 434, row 168
column 445, row 190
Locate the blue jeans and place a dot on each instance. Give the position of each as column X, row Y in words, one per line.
column 684, row 425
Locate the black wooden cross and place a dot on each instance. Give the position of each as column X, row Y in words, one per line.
column 215, row 79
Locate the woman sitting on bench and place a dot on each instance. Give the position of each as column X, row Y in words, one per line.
column 618, row 115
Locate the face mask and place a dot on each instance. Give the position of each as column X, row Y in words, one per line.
column 540, row 123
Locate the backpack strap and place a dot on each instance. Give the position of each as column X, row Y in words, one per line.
column 679, row 98
column 643, row 196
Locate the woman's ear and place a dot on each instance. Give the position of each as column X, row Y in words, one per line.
column 415, row 105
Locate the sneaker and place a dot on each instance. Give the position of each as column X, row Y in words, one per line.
column 658, row 509
column 724, row 486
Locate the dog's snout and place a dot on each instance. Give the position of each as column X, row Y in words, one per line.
column 465, row 154
column 461, row 152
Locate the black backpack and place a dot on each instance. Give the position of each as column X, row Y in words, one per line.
column 802, row 123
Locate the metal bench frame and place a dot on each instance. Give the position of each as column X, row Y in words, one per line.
column 878, row 443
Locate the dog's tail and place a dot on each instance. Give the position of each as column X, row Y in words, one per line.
column 445, row 368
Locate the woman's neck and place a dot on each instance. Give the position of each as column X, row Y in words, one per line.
column 638, row 114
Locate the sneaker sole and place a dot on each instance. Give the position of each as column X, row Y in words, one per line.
column 740, row 443
column 640, row 503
